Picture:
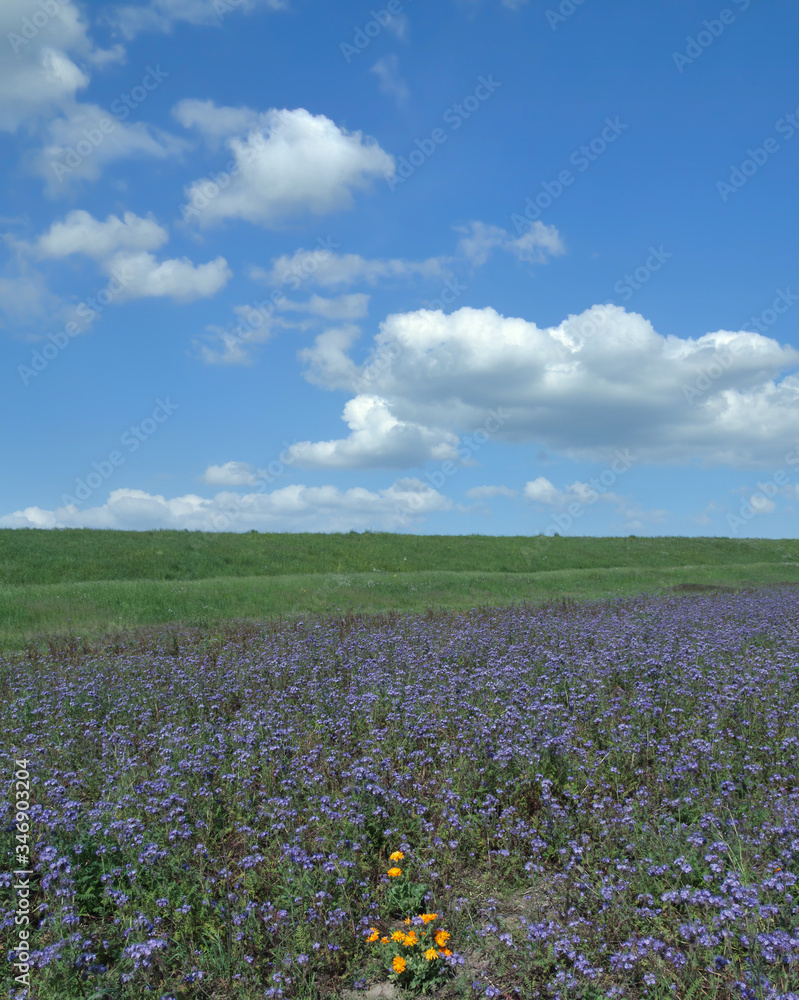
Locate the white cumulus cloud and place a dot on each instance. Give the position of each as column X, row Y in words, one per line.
column 598, row 381
column 49, row 59
column 121, row 248
column 291, row 508
column 542, row 491
column 534, row 246
column 80, row 232
column 377, row 439
column 231, row 474
column 293, row 163
column 177, row 278
column 38, row 74
column 579, row 497
column 215, row 123
column 79, row 143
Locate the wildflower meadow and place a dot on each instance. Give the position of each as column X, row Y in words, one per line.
column 589, row 801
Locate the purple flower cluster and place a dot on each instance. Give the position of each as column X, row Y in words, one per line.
column 222, row 807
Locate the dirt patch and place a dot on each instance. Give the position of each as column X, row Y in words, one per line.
column 381, row 991
column 509, row 914
column 533, row 903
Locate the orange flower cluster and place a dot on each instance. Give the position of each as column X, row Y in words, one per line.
column 414, row 950
column 411, row 938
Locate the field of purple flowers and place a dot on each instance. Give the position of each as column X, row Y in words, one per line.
column 594, row 801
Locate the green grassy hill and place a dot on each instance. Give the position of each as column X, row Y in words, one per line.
column 67, row 556
column 94, row 582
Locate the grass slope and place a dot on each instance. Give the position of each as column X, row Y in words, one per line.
column 66, row 556
column 96, row 582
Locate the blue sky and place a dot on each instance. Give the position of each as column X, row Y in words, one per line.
column 472, row 266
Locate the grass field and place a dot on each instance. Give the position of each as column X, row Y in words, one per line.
column 100, row 582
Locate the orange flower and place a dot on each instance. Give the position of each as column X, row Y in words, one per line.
column 396, row 856
column 427, row 917
column 410, row 939
column 398, row 965
column 406, row 921
column 442, row 937
column 383, row 940
column 394, row 872
column 444, row 952
column 397, row 936
column 373, row 936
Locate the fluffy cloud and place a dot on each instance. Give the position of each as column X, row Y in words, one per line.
column 80, row 232
column 223, row 348
column 120, row 247
column 534, row 246
column 763, row 505
column 292, row 163
column 38, row 74
column 329, row 364
column 542, row 491
column 598, row 381
column 51, row 55
column 292, row 508
column 231, row 474
column 214, row 123
column 162, row 15
column 377, row 439
column 76, row 148
column 579, row 497
column 178, row 278
column 234, row 345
